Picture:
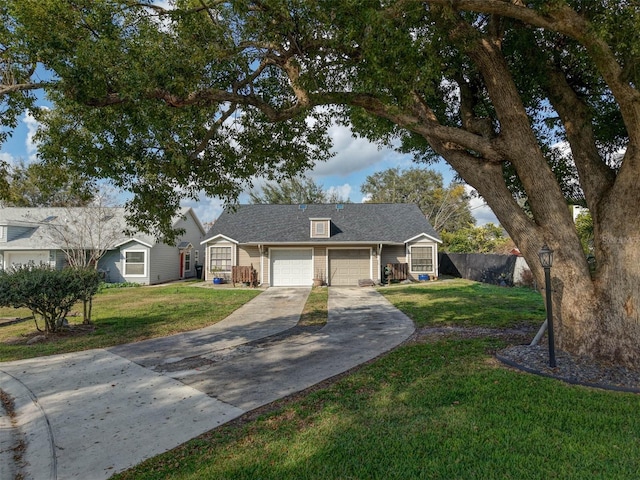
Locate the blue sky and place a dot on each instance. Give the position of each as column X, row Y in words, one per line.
column 354, row 160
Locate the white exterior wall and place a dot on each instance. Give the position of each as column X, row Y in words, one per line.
column 520, row 267
column 165, row 264
column 194, row 236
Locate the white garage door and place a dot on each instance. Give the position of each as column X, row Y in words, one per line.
column 291, row 268
column 27, row 258
column 346, row 267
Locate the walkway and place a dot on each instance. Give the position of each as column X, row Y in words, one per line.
column 90, row 414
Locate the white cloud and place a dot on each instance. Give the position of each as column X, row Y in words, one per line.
column 8, row 158
column 352, row 154
column 342, row 192
column 31, row 145
column 207, row 209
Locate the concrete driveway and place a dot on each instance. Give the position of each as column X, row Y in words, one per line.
column 88, row 415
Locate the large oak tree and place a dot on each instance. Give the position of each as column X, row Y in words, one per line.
column 167, row 102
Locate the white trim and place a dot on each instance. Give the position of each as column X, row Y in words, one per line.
column 145, row 264
column 217, row 237
column 424, row 235
column 270, row 261
column 313, row 227
column 124, row 242
column 207, row 257
column 434, row 257
column 184, row 261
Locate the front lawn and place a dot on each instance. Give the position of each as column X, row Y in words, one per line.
column 431, row 409
column 123, row 315
column 466, row 303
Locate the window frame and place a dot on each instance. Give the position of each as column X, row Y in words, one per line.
column 428, row 260
column 226, row 259
column 143, row 263
column 316, row 224
column 187, row 261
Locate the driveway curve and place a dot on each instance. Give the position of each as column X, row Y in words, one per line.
column 88, row 415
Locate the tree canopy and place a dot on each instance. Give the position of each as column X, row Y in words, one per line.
column 37, row 185
column 535, row 100
column 447, row 208
column 487, row 238
column 299, row 189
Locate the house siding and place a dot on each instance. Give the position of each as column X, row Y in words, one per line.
column 134, row 246
column 248, row 256
column 320, row 263
column 193, row 235
column 264, row 272
column 162, row 261
column 110, row 266
column 164, row 264
column 391, row 254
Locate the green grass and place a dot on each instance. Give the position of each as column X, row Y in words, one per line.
column 315, row 311
column 124, row 315
column 466, row 303
column 433, row 410
column 426, row 411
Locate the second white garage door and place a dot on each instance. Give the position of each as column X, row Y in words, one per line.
column 291, row 268
column 346, row 267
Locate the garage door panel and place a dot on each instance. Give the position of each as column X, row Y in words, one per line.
column 291, row 267
column 346, row 267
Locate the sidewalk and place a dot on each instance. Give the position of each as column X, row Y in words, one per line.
column 88, row 415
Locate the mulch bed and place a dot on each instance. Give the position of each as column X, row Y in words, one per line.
column 570, row 368
column 535, row 359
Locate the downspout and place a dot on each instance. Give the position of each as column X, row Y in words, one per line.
column 379, row 274
column 261, row 251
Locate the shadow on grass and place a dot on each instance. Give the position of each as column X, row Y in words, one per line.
column 436, row 411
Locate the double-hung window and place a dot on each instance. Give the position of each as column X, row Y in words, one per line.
column 220, row 259
column 421, row 259
column 135, row 262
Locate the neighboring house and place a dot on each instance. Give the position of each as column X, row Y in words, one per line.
column 290, row 245
column 33, row 236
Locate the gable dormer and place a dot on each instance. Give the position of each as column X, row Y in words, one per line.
column 320, row 227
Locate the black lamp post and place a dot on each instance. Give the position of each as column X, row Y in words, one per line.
column 546, row 259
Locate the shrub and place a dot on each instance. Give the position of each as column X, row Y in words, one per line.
column 48, row 293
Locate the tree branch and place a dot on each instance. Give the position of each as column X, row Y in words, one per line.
column 563, row 19
column 17, row 87
column 595, row 176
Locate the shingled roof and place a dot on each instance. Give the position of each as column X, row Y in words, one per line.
column 38, row 220
column 391, row 223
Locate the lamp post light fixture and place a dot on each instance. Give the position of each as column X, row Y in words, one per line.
column 546, row 259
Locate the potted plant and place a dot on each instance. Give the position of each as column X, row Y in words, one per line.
column 217, row 278
column 318, row 279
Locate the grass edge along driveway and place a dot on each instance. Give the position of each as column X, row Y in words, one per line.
column 124, row 315
column 434, row 409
